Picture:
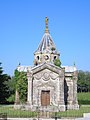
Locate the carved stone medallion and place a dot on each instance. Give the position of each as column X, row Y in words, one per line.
column 46, row 76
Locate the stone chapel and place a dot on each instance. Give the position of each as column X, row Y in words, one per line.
column 50, row 87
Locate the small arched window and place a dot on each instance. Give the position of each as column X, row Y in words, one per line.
column 38, row 57
column 55, row 57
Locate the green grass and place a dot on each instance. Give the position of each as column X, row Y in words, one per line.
column 11, row 112
column 74, row 113
column 84, row 98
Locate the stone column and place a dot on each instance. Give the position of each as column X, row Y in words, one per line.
column 61, row 91
column 29, row 96
column 61, row 94
column 75, row 102
column 74, row 91
column 75, row 88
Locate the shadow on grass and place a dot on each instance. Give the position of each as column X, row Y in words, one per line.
column 84, row 102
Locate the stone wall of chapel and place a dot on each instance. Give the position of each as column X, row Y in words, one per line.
column 70, row 90
column 46, row 80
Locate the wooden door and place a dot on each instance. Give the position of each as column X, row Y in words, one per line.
column 45, row 97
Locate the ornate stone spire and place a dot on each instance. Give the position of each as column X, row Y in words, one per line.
column 46, row 23
column 46, row 43
column 46, row 51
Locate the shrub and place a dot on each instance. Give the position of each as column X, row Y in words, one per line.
column 57, row 62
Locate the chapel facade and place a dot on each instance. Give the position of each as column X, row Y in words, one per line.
column 50, row 87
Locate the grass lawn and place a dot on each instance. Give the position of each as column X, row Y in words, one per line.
column 11, row 112
column 84, row 98
column 74, row 113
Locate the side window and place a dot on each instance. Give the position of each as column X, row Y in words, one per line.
column 55, row 57
column 38, row 57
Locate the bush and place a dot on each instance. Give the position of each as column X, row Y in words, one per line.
column 57, row 62
column 11, row 99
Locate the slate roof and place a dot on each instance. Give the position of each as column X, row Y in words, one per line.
column 46, row 43
column 70, row 68
column 26, row 68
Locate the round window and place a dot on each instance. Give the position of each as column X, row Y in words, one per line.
column 46, row 57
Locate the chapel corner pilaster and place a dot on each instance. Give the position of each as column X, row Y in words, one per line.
column 29, row 96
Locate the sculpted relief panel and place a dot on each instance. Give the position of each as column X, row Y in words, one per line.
column 45, row 80
column 46, row 75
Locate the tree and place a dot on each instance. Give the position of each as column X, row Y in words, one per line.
column 83, row 83
column 4, row 90
column 11, row 83
column 87, row 74
column 21, row 85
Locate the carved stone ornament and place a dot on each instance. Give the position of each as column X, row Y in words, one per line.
column 53, row 76
column 46, row 76
column 38, row 76
column 46, row 57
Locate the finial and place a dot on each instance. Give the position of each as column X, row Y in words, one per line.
column 74, row 64
column 19, row 64
column 46, row 22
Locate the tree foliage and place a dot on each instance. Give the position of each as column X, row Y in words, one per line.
column 57, row 62
column 21, row 84
column 11, row 85
column 83, row 81
column 4, row 89
column 17, row 82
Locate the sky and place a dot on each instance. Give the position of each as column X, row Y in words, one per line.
column 22, row 25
